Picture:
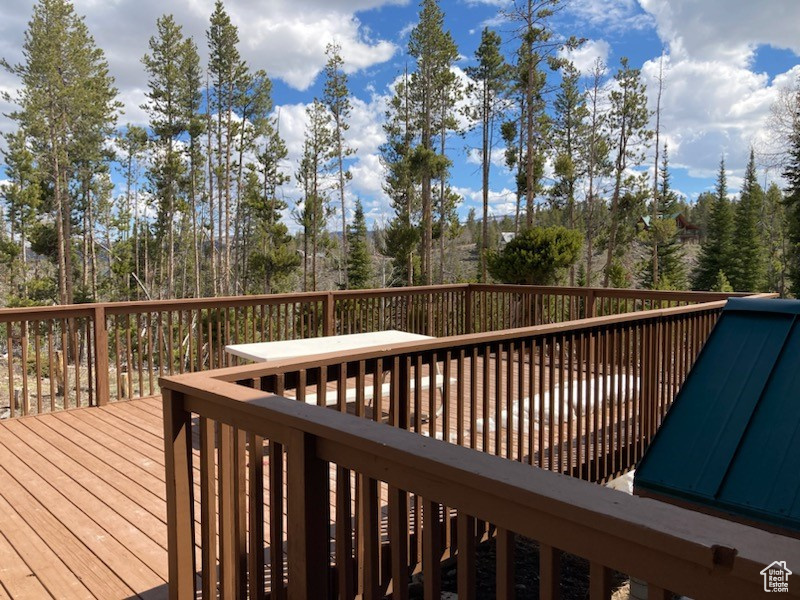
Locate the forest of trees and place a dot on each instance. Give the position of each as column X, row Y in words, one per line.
column 202, row 210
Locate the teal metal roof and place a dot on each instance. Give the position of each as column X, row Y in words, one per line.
column 731, row 441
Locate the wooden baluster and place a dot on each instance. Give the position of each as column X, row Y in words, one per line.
column 229, row 574
column 505, row 564
column 599, row 582
column 549, row 572
column 180, row 502
column 276, row 521
column 466, row 570
column 431, row 552
column 398, row 538
column 255, row 565
column 307, row 534
column 368, row 539
column 208, row 507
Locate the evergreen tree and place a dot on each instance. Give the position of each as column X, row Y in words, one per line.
column 537, row 45
column 315, row 165
column 596, row 158
column 359, row 261
column 165, row 106
column 23, row 198
column 776, row 233
column 663, row 232
column 192, row 96
column 402, row 235
column 569, row 135
column 228, row 73
column 716, row 251
column 66, row 98
column 628, row 122
column 491, row 78
column 748, row 272
column 434, row 51
column 337, row 98
column 791, row 174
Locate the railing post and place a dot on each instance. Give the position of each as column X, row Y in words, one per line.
column 180, row 501
column 468, row 309
column 308, row 518
column 102, row 391
column 328, row 316
column 590, row 309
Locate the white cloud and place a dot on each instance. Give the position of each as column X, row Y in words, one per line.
column 365, row 134
column 611, row 15
column 585, row 57
column 713, row 102
column 286, row 38
column 501, row 202
column 714, row 30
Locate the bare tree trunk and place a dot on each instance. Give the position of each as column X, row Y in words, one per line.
column 654, row 213
column 213, row 249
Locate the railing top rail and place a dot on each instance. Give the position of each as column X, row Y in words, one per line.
column 459, row 341
column 633, row 535
column 629, row 293
column 142, row 306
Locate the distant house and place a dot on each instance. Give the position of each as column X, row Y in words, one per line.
column 687, row 231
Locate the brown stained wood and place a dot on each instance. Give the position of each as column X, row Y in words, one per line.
column 465, row 567
column 307, row 529
column 29, row 490
column 368, row 539
column 505, row 564
column 398, row 539
column 599, row 582
column 16, row 578
column 30, row 544
column 229, row 574
column 431, row 551
column 276, row 520
column 655, row 592
column 549, row 572
column 208, row 503
column 255, row 513
column 180, row 504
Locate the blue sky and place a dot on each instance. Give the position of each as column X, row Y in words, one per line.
column 726, row 64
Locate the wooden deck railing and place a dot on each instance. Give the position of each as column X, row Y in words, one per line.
column 375, row 473
column 582, row 397
column 70, row 356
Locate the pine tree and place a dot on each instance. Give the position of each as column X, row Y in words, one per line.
column 227, row 71
column 192, row 96
column 491, row 78
column 628, row 121
column 776, row 231
column 252, row 106
column 166, row 99
column 359, row 261
column 791, row 174
column 336, row 98
column 23, row 198
column 402, row 235
column 569, row 135
column 272, row 258
column 716, row 251
column 748, row 272
column 434, row 51
column 596, row 149
column 66, row 97
column 663, row 232
column 315, row 165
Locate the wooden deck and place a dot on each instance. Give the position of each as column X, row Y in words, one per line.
column 82, row 496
